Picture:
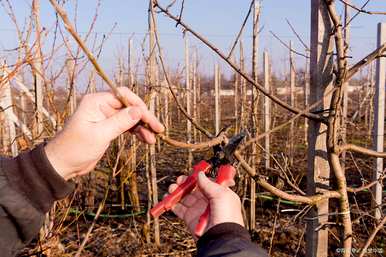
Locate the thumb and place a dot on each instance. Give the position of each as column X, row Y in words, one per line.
column 121, row 121
column 209, row 188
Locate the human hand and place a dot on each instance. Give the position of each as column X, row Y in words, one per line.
column 225, row 205
column 99, row 119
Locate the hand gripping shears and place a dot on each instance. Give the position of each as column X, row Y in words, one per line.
column 219, row 167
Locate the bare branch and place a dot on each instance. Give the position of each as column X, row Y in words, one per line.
column 238, row 70
column 261, row 180
column 298, row 36
column 377, row 53
column 171, row 4
column 362, row 150
column 70, row 28
column 283, row 125
column 347, row 23
column 365, row 187
column 362, row 10
column 181, row 11
column 179, row 105
column 241, row 30
column 372, row 236
column 287, row 46
column 104, row 76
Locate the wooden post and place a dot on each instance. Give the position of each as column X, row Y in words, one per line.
column 292, row 103
column 157, row 107
column 194, row 80
column 306, row 94
column 379, row 120
column 243, row 88
column 267, row 108
column 217, row 116
column 318, row 170
column 255, row 39
column 152, row 71
column 188, row 90
column 150, row 193
column 255, row 73
column 166, row 118
column 119, row 76
column 130, row 73
column 198, row 99
column 236, row 102
column 37, row 65
column 133, row 184
column 254, row 114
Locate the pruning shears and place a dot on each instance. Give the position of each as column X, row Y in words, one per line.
column 220, row 167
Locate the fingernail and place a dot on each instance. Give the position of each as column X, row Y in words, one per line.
column 201, row 175
column 134, row 113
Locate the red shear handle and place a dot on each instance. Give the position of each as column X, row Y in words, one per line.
column 182, row 190
column 225, row 176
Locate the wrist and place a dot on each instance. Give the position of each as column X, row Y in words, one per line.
column 227, row 209
column 55, row 157
column 235, row 220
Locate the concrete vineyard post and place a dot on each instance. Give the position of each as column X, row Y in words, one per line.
column 217, row 117
column 194, row 84
column 318, row 169
column 188, row 94
column 379, row 120
column 267, row 108
column 292, row 102
column 6, row 104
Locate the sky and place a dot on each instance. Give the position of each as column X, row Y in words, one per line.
column 218, row 20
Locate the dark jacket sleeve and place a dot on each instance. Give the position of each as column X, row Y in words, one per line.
column 230, row 240
column 29, row 185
